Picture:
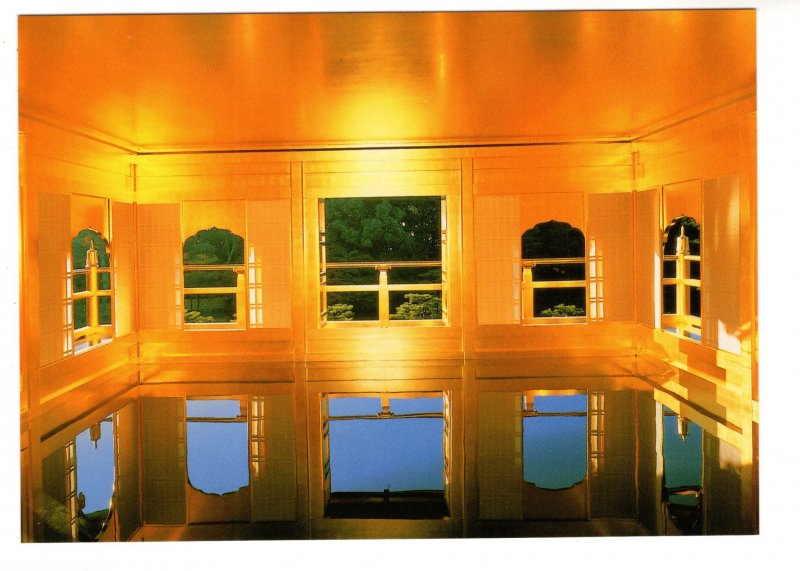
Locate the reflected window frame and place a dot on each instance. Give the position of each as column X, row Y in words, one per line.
column 363, row 500
column 529, row 411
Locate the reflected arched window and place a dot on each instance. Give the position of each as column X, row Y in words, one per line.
column 214, row 279
column 553, row 274
column 554, row 441
column 94, row 448
column 681, row 303
column 91, row 291
column 216, row 445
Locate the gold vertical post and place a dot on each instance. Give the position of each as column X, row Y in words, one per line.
column 383, row 294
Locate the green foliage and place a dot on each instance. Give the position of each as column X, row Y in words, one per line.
column 213, row 246
column 196, row 317
column 82, row 243
column 419, row 306
column 340, row 312
column 562, row 310
column 553, row 240
column 383, row 229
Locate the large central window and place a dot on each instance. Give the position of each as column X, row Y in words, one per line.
column 382, row 260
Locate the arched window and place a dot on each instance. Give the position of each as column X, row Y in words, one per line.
column 553, row 274
column 91, row 291
column 214, row 279
column 681, row 278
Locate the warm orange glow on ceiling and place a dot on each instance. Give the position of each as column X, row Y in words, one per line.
column 244, row 81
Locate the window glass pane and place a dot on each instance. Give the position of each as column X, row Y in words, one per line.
column 694, row 270
column 554, row 450
column 383, row 229
column 357, row 306
column 669, row 295
column 210, row 308
column 213, row 246
column 82, row 243
column 94, row 448
column 415, row 305
column 213, row 408
column 670, row 269
column 559, row 272
column 79, row 313
column 209, row 278
column 694, row 301
column 415, row 276
column 104, row 308
column 353, row 406
column 216, row 456
column 352, row 276
column 553, row 240
column 416, row 405
column 79, row 283
column 104, row 281
column 396, row 454
column 559, row 302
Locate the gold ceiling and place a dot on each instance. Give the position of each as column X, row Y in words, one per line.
column 273, row 80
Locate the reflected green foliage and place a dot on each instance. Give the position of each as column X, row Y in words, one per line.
column 419, row 306
column 553, row 240
column 562, row 310
column 213, row 246
column 340, row 312
column 82, row 243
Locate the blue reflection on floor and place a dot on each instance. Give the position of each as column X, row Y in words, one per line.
column 212, row 408
column 216, row 456
column 400, row 454
column 353, row 406
column 683, row 461
column 96, row 467
column 554, row 451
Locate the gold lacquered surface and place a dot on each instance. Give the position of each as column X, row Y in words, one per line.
column 485, row 490
column 256, row 80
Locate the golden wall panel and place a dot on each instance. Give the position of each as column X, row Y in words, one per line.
column 647, row 257
column 683, row 199
column 381, row 165
column 197, row 215
column 274, row 492
column 553, row 179
column 123, row 258
column 159, row 253
column 722, row 319
column 269, row 259
column 499, row 459
column 497, row 244
column 610, row 233
column 53, row 249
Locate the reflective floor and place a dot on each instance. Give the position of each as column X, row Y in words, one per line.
column 447, row 457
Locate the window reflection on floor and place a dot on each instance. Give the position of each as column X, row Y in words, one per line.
column 554, row 440
column 683, row 472
column 216, row 445
column 387, row 452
